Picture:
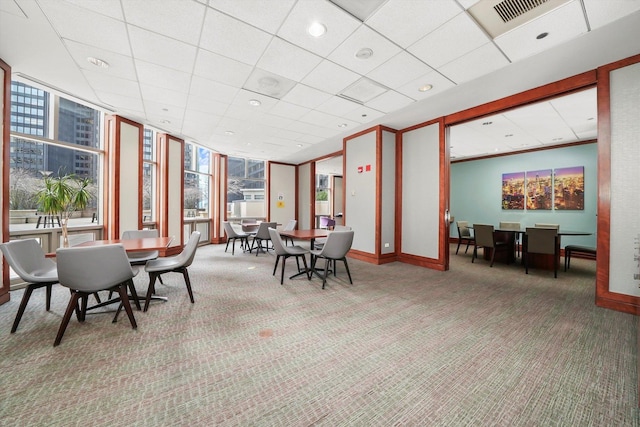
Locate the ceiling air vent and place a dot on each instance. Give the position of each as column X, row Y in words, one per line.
column 497, row 17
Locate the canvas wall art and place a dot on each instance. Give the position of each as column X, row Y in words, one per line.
column 539, row 190
column 513, row 190
column 569, row 188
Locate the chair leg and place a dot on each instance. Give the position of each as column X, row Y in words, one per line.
column 48, row 300
column 23, row 305
column 124, row 300
column 275, row 267
column 493, row 255
column 459, row 241
column 227, row 247
column 284, row 260
column 475, row 253
column 150, row 289
column 313, row 266
column 134, row 294
column 187, row 282
column 346, row 266
column 326, row 270
column 304, row 262
column 73, row 305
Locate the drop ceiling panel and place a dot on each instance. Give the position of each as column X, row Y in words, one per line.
column 161, row 95
column 157, row 49
column 330, row 77
column 109, row 8
column 389, row 101
column 204, row 103
column 474, row 64
column 105, row 83
column 179, row 20
column 231, row 38
column 604, row 12
column 213, row 90
column 119, row 65
column 364, row 37
column 265, row 14
column 418, row 18
column 306, row 96
column 399, row 70
column 562, row 24
column 289, row 110
column 128, row 103
column 363, row 114
column 269, row 84
column 337, row 106
column 452, row 40
column 164, row 77
column 339, row 26
column 439, row 82
column 221, row 69
column 299, row 63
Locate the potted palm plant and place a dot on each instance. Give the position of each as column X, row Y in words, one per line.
column 63, row 195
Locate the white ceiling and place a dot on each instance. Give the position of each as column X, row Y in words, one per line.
column 190, row 67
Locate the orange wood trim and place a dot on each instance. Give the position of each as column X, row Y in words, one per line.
column 421, row 125
column 295, row 197
column 267, row 191
column 344, row 183
column 604, row 297
column 431, row 263
column 399, row 186
column 283, row 163
column 312, row 211
column 224, row 160
column 6, row 160
column 378, row 200
column 181, row 214
column 163, row 172
column 371, row 258
column 445, row 182
column 214, row 196
column 140, row 173
column 560, row 87
column 530, row 150
column 326, row 156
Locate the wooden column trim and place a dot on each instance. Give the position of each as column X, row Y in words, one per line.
column 6, row 148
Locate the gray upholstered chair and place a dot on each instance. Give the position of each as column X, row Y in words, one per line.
column 464, row 235
column 335, row 248
column 86, row 270
column 541, row 241
column 485, row 237
column 284, row 252
column 542, row 225
column 319, row 242
column 233, row 235
column 140, row 258
column 509, row 225
column 291, row 225
column 174, row 264
column 262, row 237
column 28, row 260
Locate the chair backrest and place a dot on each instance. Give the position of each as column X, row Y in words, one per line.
column 27, row 259
column 505, row 225
column 291, row 225
column 463, row 229
column 91, row 269
column 342, row 228
column 185, row 258
column 229, row 230
column 263, row 230
column 554, row 226
column 542, row 240
column 278, row 246
column 484, row 235
column 337, row 245
column 141, row 234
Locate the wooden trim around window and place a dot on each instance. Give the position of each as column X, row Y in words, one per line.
column 6, row 147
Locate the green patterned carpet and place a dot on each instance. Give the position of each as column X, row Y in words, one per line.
column 402, row 346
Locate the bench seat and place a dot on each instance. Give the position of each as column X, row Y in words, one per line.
column 583, row 251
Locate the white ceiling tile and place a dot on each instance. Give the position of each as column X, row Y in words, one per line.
column 265, row 14
column 363, row 114
column 234, row 39
column 119, row 65
column 562, row 24
column 389, row 101
column 399, row 70
column 129, row 103
column 298, row 64
column 244, row 96
column 337, row 106
column 457, row 37
column 164, row 77
column 212, row 90
column 316, row 117
column 221, row 69
column 269, row 84
column 310, row 139
column 273, row 120
column 306, row 96
column 364, row 37
column 180, row 20
column 109, row 8
column 438, row 82
column 157, row 49
column 339, row 26
column 601, row 12
column 330, row 77
column 102, row 82
column 83, row 26
column 474, row 64
column 163, row 96
column 417, row 18
column 288, row 110
column 206, row 104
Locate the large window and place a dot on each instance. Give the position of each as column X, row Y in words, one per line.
column 197, row 179
column 245, row 188
column 38, row 149
column 149, row 176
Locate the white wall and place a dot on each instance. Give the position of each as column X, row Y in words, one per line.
column 360, row 190
column 282, row 193
column 420, row 191
column 174, row 182
column 304, row 197
column 129, row 213
column 388, row 208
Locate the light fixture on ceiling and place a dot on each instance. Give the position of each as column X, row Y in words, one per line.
column 425, row 88
column 364, row 53
column 542, row 35
column 255, row 103
column 228, row 132
column 509, row 135
column 98, row 62
column 166, row 122
column 165, row 109
column 557, row 139
column 342, row 125
column 299, row 145
column 317, row 29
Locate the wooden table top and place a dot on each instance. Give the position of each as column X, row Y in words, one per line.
column 133, row 245
column 306, row 234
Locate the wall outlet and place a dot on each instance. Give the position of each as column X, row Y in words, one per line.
column 386, row 245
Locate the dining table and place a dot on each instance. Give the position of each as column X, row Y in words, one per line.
column 311, row 235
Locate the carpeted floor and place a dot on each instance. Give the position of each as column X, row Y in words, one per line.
column 402, row 346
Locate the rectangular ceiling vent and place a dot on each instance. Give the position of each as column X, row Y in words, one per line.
column 500, row 16
column 511, row 9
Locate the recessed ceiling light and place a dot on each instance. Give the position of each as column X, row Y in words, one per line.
column 542, row 35
column 98, row 62
column 165, row 109
column 425, row 88
column 509, row 135
column 254, row 103
column 591, row 118
column 557, row 139
column 486, row 123
column 364, row 115
column 228, row 132
column 299, row 145
column 317, row 29
column 342, row 125
column 166, row 122
column 248, row 143
column 364, row 53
